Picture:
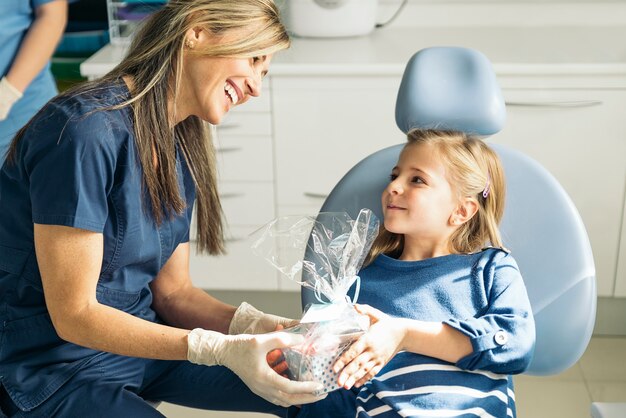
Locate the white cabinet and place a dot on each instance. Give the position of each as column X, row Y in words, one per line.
column 620, row 277
column 244, row 154
column 580, row 137
column 322, row 127
column 239, row 269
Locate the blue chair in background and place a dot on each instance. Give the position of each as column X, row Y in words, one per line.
column 456, row 89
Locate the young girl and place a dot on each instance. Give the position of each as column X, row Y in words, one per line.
column 451, row 320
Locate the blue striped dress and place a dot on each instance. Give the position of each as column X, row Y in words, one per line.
column 481, row 295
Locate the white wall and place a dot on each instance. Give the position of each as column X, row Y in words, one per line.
column 505, row 12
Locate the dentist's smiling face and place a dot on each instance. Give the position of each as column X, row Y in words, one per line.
column 211, row 86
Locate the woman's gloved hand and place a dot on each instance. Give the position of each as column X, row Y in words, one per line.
column 8, row 96
column 249, row 320
column 246, row 356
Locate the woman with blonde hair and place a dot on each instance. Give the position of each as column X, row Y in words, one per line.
column 96, row 302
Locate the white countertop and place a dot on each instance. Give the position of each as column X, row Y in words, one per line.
column 512, row 50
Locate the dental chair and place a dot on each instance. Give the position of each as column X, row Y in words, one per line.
column 456, row 89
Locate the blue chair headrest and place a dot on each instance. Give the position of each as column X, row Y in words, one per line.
column 450, row 88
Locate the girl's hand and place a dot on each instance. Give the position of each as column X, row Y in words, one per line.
column 369, row 354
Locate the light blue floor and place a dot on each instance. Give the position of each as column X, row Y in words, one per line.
column 599, row 376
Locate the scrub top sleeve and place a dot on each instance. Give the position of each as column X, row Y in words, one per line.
column 71, row 169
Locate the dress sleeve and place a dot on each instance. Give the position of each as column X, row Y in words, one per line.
column 70, row 163
column 503, row 336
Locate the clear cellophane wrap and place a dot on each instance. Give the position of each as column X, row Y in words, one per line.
column 323, row 254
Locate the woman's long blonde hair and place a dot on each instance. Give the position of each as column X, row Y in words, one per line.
column 472, row 167
column 154, row 63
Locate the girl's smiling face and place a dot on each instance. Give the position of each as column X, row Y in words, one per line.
column 419, row 200
column 211, row 86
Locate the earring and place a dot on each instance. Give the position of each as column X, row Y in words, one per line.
column 189, row 43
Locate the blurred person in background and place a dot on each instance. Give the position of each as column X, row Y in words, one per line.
column 29, row 33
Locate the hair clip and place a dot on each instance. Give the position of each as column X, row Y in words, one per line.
column 487, row 186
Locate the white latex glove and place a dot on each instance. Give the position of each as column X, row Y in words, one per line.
column 249, row 320
column 8, row 96
column 246, row 356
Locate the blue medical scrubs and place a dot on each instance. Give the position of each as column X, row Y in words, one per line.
column 79, row 168
column 16, row 16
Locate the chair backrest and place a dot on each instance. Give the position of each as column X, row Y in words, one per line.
column 541, row 227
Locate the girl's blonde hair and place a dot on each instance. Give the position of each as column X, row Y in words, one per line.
column 154, row 62
column 474, row 170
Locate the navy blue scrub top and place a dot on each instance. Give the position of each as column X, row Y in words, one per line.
column 77, row 169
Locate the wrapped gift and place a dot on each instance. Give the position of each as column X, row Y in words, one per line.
column 324, row 254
